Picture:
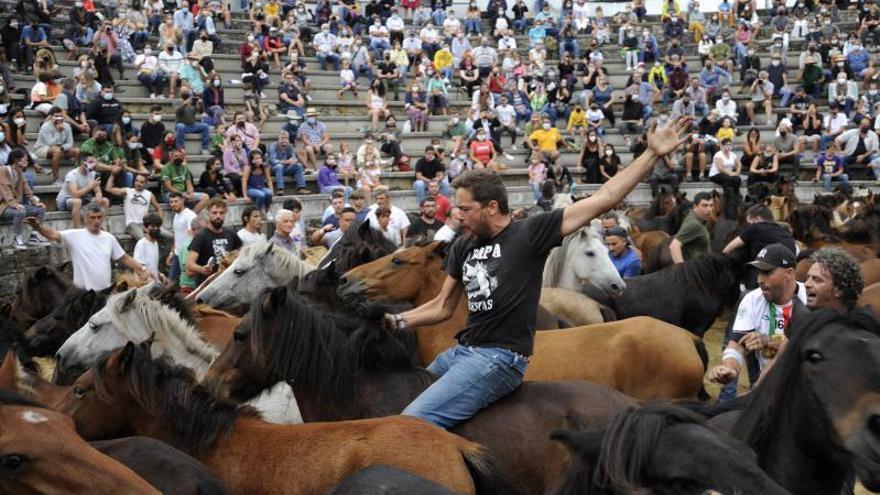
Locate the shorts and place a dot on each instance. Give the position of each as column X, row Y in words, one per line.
column 42, row 152
column 67, row 204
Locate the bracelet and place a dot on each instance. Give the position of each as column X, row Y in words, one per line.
column 399, row 322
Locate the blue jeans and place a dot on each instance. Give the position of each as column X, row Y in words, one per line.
column 421, row 188
column 328, row 57
column 472, row 26
column 827, row 178
column 471, row 378
column 198, row 128
column 262, row 197
column 328, row 190
column 295, row 171
column 174, row 270
column 18, row 216
column 378, row 46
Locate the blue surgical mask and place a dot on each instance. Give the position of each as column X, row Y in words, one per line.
column 2, row 136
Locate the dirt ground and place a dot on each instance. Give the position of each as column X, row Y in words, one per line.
column 713, row 340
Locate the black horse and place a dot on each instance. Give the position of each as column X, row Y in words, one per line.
column 387, row 480
column 660, row 449
column 690, row 295
column 344, row 367
column 670, row 222
column 47, row 334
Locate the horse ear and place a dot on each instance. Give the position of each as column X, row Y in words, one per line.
column 5, row 310
column 126, row 356
column 89, row 297
column 364, row 229
column 440, row 248
column 121, row 286
column 277, row 297
column 269, row 249
column 128, row 301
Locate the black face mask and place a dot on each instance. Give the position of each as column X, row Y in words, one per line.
column 178, row 161
column 101, row 139
column 240, row 124
column 154, row 233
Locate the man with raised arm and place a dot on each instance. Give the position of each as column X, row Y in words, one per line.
column 498, row 264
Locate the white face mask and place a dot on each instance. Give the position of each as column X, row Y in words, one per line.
column 592, row 139
column 148, row 52
column 250, row 38
column 546, row 125
column 126, row 120
column 18, row 121
column 776, row 62
column 157, row 117
column 609, row 152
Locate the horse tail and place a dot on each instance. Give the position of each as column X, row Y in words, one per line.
column 485, row 469
column 704, row 357
column 608, row 314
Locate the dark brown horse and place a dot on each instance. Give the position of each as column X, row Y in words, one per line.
column 41, row 291
column 46, row 335
column 129, row 392
column 652, row 450
column 344, row 368
column 42, row 454
column 661, row 205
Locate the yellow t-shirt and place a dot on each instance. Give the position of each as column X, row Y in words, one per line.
column 726, row 133
column 577, row 119
column 546, row 139
column 272, row 9
column 442, row 59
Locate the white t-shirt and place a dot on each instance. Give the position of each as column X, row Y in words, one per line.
column 393, row 235
column 835, row 125
column 91, row 256
column 136, row 205
column 180, row 226
column 506, row 114
column 444, row 234
column 248, row 237
column 147, row 253
column 725, row 110
column 753, row 314
column 76, row 180
column 728, row 161
column 399, row 221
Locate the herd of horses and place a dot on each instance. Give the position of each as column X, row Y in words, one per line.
column 276, row 376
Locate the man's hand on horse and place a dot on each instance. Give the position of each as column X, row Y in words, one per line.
column 752, row 341
column 664, row 140
column 722, row 374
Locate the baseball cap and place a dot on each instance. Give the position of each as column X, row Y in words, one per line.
column 774, row 256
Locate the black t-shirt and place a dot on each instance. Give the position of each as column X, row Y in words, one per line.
column 429, row 169
column 759, row 235
column 802, row 103
column 502, row 281
column 209, row 244
column 420, row 228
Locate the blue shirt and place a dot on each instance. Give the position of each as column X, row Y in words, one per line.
column 858, row 60
column 28, row 34
column 628, row 264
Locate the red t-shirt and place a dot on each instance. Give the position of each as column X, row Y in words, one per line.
column 443, row 205
column 482, row 150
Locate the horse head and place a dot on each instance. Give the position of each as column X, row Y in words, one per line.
column 650, row 450
column 405, row 275
column 587, row 257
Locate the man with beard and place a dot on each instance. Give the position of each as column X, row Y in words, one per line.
column 426, row 225
column 497, row 264
column 211, row 244
column 834, row 281
column 764, row 314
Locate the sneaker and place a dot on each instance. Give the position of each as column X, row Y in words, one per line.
column 152, row 96
column 18, row 243
column 303, row 190
column 58, row 183
column 508, row 156
column 36, row 240
column 279, row 192
column 513, row 147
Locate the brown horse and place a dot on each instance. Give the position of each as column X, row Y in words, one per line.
column 130, row 392
column 871, row 297
column 574, row 308
column 661, row 205
column 42, row 454
column 43, row 288
column 625, row 355
column 343, row 367
column 654, row 247
column 870, row 271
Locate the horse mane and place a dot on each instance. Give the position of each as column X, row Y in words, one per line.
column 161, row 321
column 324, row 350
column 359, row 244
column 711, row 273
column 616, row 461
column 281, row 262
column 184, row 307
column 10, row 398
column 195, row 418
column 772, row 405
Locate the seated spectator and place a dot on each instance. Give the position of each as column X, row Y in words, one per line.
column 106, row 111
column 430, row 168
column 328, row 180
column 284, row 162
column 546, row 140
column 17, row 200
column 252, row 225
column 483, row 153
column 187, row 123
column 844, row 92
column 860, row 146
column 212, row 182
column 832, row 125
column 624, row 257
column 213, row 102
column 314, row 138
column 177, row 177
column 109, row 157
column 149, row 73
column 765, row 166
column 829, row 168
column 609, row 164
column 725, row 106
column 761, row 92
column 256, row 180
column 426, row 224
column 82, row 186
column 55, row 142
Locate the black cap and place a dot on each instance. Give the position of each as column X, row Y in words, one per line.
column 774, row 256
column 617, row 232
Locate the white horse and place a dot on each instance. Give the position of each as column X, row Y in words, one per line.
column 258, row 266
column 134, row 316
column 582, row 257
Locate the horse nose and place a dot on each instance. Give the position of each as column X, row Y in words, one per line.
column 343, row 282
column 59, row 358
column 618, row 289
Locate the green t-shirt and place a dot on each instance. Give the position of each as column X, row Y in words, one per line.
column 178, row 175
column 185, row 281
column 105, row 153
column 693, row 236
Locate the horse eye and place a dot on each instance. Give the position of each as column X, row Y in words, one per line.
column 93, row 327
column 814, row 356
column 591, row 254
column 239, row 271
column 238, row 336
column 12, row 462
column 79, row 392
column 396, row 261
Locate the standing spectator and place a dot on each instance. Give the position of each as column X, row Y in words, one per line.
column 252, row 225
column 17, row 201
column 692, row 238
column 537, row 176
column 256, row 181
column 146, row 251
column 81, row 187
column 177, row 177
column 426, row 225
column 829, row 168
column 92, row 250
column 725, row 171
column 288, row 231
column 183, row 218
column 136, row 204
column 55, row 142
column 213, row 243
column 399, row 221
column 185, row 114
column 329, row 234
column 328, row 181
